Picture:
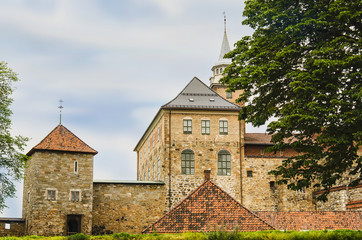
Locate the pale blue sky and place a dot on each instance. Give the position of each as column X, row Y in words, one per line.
column 113, row 62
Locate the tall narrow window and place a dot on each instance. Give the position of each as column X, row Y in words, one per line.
column 153, row 172
column 76, row 166
column 149, row 174
column 51, row 195
column 158, row 169
column 28, row 196
column 223, row 126
column 223, row 163
column 158, row 134
column 187, row 162
column 205, row 127
column 75, row 196
column 144, row 176
column 187, row 126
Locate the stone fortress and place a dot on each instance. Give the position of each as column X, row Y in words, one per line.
column 196, row 131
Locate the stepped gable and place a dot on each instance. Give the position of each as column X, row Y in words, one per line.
column 196, row 95
column 63, row 140
column 208, row 208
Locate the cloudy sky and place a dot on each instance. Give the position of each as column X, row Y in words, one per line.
column 112, row 62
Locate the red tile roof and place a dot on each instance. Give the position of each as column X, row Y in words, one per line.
column 257, row 138
column 314, row 220
column 61, row 139
column 208, row 208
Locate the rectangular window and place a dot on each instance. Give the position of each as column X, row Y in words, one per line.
column 7, row 226
column 229, row 95
column 223, row 126
column 158, row 134
column 187, row 126
column 149, row 174
column 153, row 172
column 51, row 195
column 205, row 127
column 28, row 196
column 262, row 151
column 249, row 173
column 74, row 196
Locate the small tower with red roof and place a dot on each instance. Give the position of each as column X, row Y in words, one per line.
column 58, row 185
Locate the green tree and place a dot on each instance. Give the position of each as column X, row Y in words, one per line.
column 11, row 160
column 301, row 70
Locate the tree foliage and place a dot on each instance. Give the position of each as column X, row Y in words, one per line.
column 302, row 67
column 11, row 160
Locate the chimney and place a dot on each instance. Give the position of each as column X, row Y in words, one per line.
column 207, row 174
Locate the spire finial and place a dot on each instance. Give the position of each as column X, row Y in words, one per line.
column 224, row 21
column 60, row 111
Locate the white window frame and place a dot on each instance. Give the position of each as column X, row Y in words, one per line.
column 79, row 196
column 55, row 194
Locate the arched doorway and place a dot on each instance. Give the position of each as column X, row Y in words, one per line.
column 73, row 224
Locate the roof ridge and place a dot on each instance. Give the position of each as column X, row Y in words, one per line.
column 59, row 127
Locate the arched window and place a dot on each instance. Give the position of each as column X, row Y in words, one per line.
column 187, row 162
column 223, row 163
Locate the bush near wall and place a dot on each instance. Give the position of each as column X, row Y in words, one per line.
column 270, row 235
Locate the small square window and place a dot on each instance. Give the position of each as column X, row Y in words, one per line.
column 7, row 226
column 272, row 184
column 75, row 196
column 262, row 151
column 229, row 95
column 51, row 195
column 187, row 126
column 249, row 173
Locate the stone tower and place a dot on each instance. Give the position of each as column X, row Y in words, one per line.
column 58, row 185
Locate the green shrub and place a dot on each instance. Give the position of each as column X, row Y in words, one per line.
column 78, row 236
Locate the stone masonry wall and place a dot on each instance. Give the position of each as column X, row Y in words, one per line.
column 205, row 148
column 122, row 207
column 340, row 197
column 12, row 227
column 50, row 170
column 260, row 191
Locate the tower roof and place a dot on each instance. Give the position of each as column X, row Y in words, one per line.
column 196, row 95
column 206, row 209
column 225, row 47
column 63, row 140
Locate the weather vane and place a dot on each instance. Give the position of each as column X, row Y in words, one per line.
column 60, row 111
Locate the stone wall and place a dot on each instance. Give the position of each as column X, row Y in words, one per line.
column 342, row 198
column 260, row 191
column 206, row 149
column 127, row 207
column 12, row 227
column 50, row 170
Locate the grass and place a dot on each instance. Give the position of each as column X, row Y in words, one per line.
column 270, row 235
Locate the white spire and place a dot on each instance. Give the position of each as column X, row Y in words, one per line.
column 219, row 67
column 225, row 47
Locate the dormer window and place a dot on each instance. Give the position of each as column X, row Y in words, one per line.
column 191, row 99
column 212, row 100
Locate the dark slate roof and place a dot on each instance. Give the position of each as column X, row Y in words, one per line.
column 61, row 139
column 313, row 220
column 196, row 95
column 207, row 209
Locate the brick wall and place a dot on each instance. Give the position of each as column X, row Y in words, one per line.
column 12, row 227
column 126, row 207
column 317, row 220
